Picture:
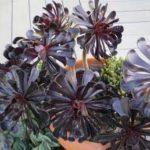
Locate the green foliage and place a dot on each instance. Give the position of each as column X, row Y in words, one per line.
column 21, row 139
column 111, row 74
column 6, row 140
column 44, row 140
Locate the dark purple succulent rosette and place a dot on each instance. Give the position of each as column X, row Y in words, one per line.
column 55, row 19
column 131, row 127
column 75, row 105
column 51, row 40
column 136, row 71
column 21, row 99
column 50, row 49
column 3, row 70
column 14, row 55
column 98, row 36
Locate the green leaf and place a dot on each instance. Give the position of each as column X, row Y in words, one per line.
column 40, row 147
column 111, row 74
column 43, row 141
column 34, row 139
column 19, row 145
column 6, row 140
column 47, row 139
column 20, row 131
column 40, row 65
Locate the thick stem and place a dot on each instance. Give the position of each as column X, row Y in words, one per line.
column 85, row 61
column 73, row 70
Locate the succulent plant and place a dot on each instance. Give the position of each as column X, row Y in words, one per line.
column 3, row 69
column 22, row 98
column 37, row 92
column 56, row 19
column 98, row 35
column 75, row 106
column 46, row 48
column 111, row 74
column 131, row 127
column 51, row 40
column 136, row 72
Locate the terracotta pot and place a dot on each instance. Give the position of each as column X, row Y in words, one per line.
column 93, row 64
column 86, row 145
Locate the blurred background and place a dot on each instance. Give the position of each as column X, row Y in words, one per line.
column 16, row 15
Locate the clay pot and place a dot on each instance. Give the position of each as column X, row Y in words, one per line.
column 93, row 64
column 86, row 145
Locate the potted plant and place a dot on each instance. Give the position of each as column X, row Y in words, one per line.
column 83, row 109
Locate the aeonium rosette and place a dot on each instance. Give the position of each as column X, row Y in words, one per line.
column 51, row 40
column 136, row 71
column 76, row 105
column 55, row 19
column 98, row 35
column 49, row 49
column 21, row 98
column 130, row 126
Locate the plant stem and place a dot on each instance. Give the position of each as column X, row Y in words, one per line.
column 85, row 61
column 73, row 70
